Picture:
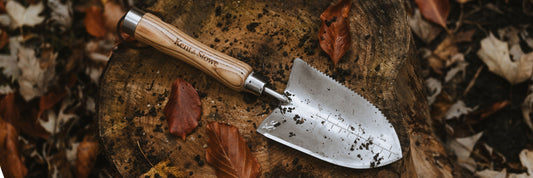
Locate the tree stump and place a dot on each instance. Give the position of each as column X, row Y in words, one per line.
column 268, row 35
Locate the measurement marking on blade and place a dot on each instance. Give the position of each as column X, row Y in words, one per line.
column 347, row 128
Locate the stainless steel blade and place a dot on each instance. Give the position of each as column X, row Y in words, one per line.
column 329, row 121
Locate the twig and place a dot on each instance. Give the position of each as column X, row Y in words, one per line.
column 473, row 81
column 142, row 152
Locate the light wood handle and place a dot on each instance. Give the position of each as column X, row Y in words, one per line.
column 170, row 40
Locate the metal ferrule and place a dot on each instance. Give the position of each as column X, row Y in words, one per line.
column 254, row 85
column 131, row 20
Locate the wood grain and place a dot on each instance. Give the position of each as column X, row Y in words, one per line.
column 170, row 40
column 268, row 35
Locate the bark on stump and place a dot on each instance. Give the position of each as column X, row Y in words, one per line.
column 268, row 35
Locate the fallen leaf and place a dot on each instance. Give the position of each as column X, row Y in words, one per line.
column 228, row 152
column 477, row 116
column 442, row 55
column 334, row 35
column 2, row 7
column 55, row 122
column 86, row 156
column 35, row 79
column 4, row 38
column 440, row 107
column 526, row 158
column 462, row 1
column 487, row 173
column 112, row 14
column 462, row 147
column 94, row 22
column 72, row 152
column 183, row 109
column 426, row 31
column 165, row 169
column 457, row 110
column 434, row 87
column 10, row 158
column 8, row 63
column 464, row 36
column 495, row 54
column 22, row 16
column 61, row 14
column 10, row 110
column 436, row 11
column 5, row 89
column 50, row 99
column 459, row 68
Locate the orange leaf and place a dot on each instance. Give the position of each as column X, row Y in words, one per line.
column 94, row 22
column 228, row 152
column 436, row 11
column 183, row 109
column 11, row 112
column 478, row 116
column 50, row 99
column 10, row 160
column 86, row 156
column 334, row 35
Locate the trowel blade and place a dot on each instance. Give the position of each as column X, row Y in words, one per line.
column 330, row 122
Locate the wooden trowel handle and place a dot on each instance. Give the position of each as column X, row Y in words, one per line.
column 150, row 29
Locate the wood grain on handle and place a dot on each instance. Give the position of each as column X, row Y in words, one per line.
column 170, row 40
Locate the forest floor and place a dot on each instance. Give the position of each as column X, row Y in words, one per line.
column 476, row 66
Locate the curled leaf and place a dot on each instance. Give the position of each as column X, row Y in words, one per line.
column 436, row 11
column 12, row 165
column 183, row 109
column 94, row 22
column 86, row 156
column 334, row 35
column 228, row 152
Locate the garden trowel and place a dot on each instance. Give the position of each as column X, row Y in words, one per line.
column 317, row 115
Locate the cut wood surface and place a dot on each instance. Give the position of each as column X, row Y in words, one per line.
column 267, row 35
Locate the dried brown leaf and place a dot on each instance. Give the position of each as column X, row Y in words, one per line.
column 50, row 99
column 2, row 7
column 464, row 36
column 183, row 109
column 436, row 11
column 11, row 112
column 425, row 30
column 4, row 38
column 10, row 159
column 442, row 54
column 86, row 156
column 94, row 22
column 479, row 115
column 334, row 34
column 228, row 152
